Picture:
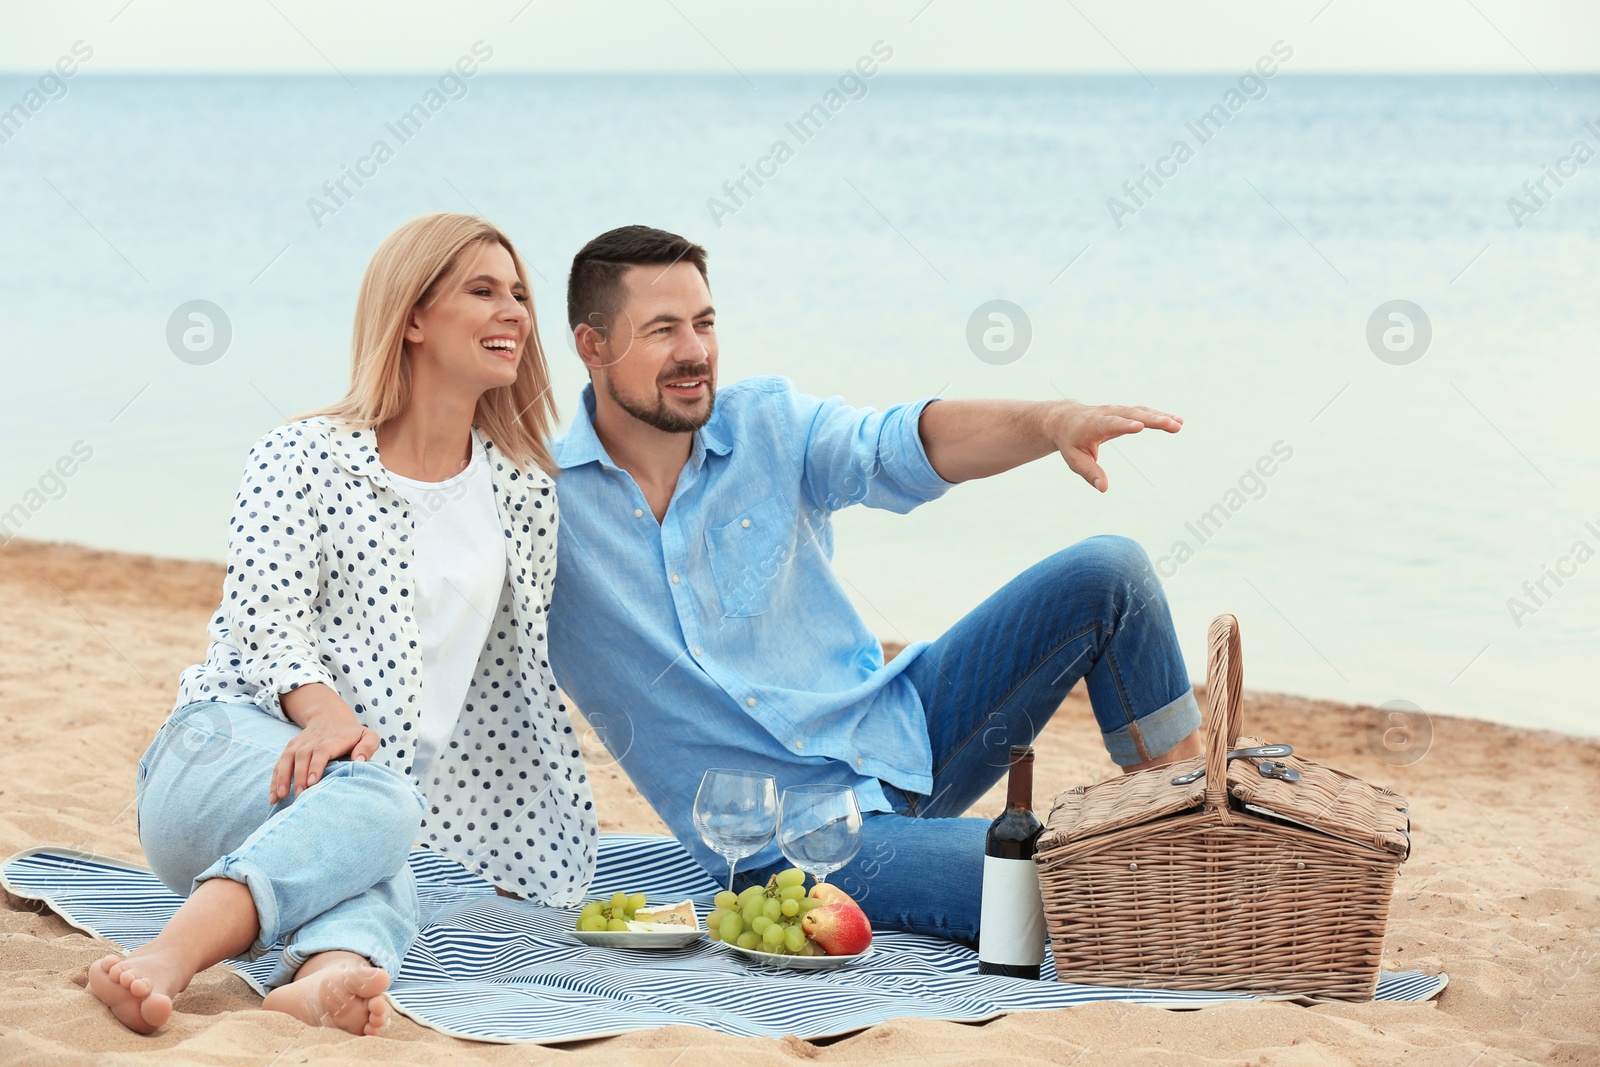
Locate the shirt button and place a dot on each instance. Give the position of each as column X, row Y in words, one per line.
column 699, row 651
column 858, row 763
column 745, row 524
column 751, row 701
column 638, row 513
column 674, row 579
column 799, row 745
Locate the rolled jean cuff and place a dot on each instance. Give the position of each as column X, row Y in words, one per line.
column 1154, row 735
column 378, row 949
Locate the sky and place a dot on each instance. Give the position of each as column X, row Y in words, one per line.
column 739, row 38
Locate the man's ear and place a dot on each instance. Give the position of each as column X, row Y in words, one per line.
column 609, row 339
column 590, row 342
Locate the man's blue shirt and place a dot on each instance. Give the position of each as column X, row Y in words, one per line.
column 721, row 636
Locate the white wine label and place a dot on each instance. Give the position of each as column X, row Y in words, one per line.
column 1011, row 923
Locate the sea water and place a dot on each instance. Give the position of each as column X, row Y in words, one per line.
column 1397, row 508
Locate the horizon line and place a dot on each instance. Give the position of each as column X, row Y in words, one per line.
column 278, row 72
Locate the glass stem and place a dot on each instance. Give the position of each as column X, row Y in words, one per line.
column 733, row 861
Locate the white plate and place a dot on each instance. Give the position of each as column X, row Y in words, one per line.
column 644, row 939
column 796, row 963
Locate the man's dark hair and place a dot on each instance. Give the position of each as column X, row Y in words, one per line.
column 594, row 288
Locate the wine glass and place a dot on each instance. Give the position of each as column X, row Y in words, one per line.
column 735, row 813
column 819, row 828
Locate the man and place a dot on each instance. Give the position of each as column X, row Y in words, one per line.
column 697, row 622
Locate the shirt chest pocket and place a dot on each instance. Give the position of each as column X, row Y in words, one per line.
column 751, row 557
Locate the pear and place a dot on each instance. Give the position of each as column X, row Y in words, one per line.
column 841, row 928
column 832, row 894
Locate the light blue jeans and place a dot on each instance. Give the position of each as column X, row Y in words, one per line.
column 1095, row 612
column 327, row 868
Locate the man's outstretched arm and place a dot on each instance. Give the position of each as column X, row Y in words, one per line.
column 968, row 439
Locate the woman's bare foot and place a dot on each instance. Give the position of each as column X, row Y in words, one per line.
column 217, row 922
column 336, row 989
column 139, row 989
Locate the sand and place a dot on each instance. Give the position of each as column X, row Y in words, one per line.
column 1501, row 890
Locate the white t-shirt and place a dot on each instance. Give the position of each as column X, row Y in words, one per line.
column 459, row 571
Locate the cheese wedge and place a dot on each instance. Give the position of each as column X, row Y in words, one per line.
column 680, row 916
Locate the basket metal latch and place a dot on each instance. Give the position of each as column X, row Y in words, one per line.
column 1248, row 753
column 1281, row 771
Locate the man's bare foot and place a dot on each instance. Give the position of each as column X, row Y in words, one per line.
column 349, row 996
column 1189, row 747
column 140, row 988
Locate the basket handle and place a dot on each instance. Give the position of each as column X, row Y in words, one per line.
column 1224, row 683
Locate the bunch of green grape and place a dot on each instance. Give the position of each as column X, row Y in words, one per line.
column 766, row 917
column 610, row 915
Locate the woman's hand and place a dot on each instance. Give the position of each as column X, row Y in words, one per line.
column 328, row 729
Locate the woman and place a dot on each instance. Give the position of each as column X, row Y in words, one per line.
column 378, row 673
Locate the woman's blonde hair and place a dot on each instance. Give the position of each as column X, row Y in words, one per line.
column 413, row 266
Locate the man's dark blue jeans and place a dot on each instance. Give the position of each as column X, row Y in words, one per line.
column 1093, row 611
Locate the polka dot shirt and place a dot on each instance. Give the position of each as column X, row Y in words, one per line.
column 319, row 589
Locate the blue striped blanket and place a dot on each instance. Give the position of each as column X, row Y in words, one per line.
column 493, row 969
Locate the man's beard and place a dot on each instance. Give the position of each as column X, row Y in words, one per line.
column 660, row 416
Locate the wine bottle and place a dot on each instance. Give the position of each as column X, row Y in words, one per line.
column 1011, row 923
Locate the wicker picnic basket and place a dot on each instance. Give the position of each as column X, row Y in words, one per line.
column 1275, row 885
